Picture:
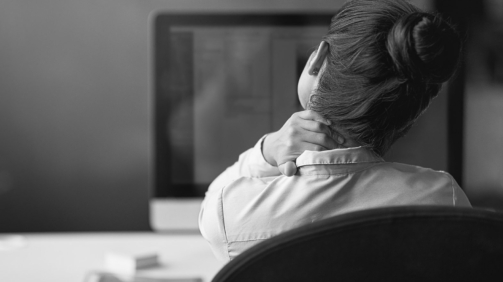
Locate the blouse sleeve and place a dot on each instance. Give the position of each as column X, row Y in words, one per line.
column 251, row 164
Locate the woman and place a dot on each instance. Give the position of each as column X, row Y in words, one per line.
column 374, row 73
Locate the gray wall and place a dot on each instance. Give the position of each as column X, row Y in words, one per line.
column 74, row 131
column 483, row 166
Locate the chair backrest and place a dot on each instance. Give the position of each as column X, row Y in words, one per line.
column 413, row 243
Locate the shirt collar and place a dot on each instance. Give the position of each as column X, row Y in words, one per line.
column 356, row 155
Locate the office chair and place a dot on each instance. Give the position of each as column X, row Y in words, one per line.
column 409, row 243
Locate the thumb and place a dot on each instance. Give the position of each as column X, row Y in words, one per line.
column 288, row 169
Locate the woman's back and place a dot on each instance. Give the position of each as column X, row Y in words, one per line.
column 252, row 205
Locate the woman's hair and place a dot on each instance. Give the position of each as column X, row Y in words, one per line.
column 386, row 61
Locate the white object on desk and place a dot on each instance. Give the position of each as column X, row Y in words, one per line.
column 128, row 263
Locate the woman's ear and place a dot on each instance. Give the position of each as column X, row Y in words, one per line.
column 309, row 78
column 316, row 62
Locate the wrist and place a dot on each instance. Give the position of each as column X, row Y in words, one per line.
column 266, row 150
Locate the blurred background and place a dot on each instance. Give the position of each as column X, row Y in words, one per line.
column 75, row 120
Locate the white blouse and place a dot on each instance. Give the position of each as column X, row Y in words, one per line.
column 251, row 201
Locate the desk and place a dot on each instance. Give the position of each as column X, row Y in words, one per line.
column 69, row 257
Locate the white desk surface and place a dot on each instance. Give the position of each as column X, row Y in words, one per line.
column 70, row 257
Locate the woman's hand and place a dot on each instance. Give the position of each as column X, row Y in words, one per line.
column 305, row 130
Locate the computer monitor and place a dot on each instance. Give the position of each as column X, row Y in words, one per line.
column 222, row 81
column 219, row 82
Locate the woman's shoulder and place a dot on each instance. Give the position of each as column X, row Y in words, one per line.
column 419, row 185
column 412, row 168
column 415, row 174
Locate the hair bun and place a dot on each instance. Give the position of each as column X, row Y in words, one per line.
column 423, row 46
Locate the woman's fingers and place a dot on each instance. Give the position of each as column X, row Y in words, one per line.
column 320, row 140
column 312, row 115
column 290, row 153
column 312, row 121
column 315, row 126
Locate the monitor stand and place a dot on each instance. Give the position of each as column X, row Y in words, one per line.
column 175, row 214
